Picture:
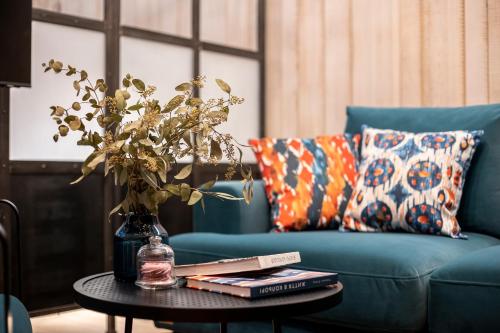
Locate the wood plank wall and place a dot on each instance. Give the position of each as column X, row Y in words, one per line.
column 325, row 54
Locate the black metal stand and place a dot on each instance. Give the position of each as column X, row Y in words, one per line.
column 128, row 324
column 223, row 327
column 276, row 326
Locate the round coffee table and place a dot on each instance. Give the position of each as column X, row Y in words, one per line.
column 103, row 294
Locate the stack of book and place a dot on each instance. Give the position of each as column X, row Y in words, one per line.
column 254, row 277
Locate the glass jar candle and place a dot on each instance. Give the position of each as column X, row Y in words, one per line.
column 155, row 265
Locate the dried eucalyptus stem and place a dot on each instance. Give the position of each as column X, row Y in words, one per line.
column 143, row 152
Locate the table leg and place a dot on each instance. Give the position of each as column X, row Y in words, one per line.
column 111, row 324
column 128, row 324
column 276, row 326
column 223, row 327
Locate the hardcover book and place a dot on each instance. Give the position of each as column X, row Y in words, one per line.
column 261, row 284
column 238, row 265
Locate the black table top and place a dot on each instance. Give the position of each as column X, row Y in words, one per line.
column 103, row 294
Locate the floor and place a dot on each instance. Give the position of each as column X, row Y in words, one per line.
column 77, row 321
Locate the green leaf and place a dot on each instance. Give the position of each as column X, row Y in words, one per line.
column 208, row 185
column 129, row 127
column 173, row 103
column 63, row 130
column 59, row 111
column 135, row 107
column 149, row 178
column 114, row 211
column 194, row 101
column 215, row 150
column 89, row 116
column 83, row 75
column 120, row 100
column 55, row 137
column 187, row 138
column 185, row 192
column 195, row 197
column 183, row 86
column 57, row 66
column 126, row 82
column 78, row 180
column 226, row 196
column 248, row 191
column 203, row 205
column 162, row 169
column 174, row 189
column 74, row 122
column 223, row 85
column 139, row 85
column 123, row 177
column 185, row 172
column 96, row 138
column 76, row 85
column 71, row 71
column 98, row 159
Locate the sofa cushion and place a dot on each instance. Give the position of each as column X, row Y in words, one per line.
column 385, row 275
column 411, row 182
column 479, row 209
column 308, row 181
column 467, row 288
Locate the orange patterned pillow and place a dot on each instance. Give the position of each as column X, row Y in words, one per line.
column 308, row 181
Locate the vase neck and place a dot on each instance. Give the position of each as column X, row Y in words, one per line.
column 141, row 218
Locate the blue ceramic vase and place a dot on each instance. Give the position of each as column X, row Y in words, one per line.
column 128, row 239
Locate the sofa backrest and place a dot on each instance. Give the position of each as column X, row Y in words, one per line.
column 480, row 206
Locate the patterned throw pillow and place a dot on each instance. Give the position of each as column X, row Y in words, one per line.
column 410, row 182
column 308, row 181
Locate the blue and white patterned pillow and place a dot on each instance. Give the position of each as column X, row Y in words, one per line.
column 410, row 182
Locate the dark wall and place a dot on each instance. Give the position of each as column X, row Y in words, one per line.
column 61, row 234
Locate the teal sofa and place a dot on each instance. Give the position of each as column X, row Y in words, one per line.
column 393, row 282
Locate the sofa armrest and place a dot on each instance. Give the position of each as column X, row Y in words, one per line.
column 233, row 217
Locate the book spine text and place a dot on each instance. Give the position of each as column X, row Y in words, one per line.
column 288, row 287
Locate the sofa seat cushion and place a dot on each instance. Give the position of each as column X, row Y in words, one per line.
column 467, row 288
column 385, row 275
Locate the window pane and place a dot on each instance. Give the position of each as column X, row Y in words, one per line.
column 168, row 16
column 93, row 9
column 31, row 127
column 229, row 22
column 243, row 76
column 161, row 65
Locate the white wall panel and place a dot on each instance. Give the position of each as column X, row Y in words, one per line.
column 31, row 127
column 229, row 22
column 243, row 77
column 167, row 16
column 93, row 9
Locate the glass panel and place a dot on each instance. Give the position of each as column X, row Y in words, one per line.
column 31, row 128
column 242, row 75
column 161, row 65
column 93, row 9
column 229, row 22
column 168, row 16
